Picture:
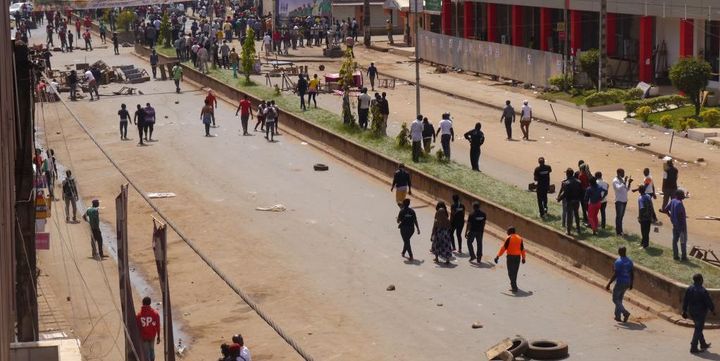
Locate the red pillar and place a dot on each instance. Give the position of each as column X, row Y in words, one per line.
column 686, row 38
column 446, row 18
column 645, row 68
column 545, row 28
column 492, row 22
column 575, row 31
column 469, row 20
column 516, row 22
column 611, row 31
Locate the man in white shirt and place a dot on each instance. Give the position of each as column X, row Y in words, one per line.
column 447, row 134
column 92, row 83
column 363, row 108
column 416, row 128
column 525, row 119
column 267, row 44
column 621, row 185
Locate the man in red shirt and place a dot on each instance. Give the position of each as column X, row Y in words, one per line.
column 211, row 99
column 148, row 321
column 245, row 110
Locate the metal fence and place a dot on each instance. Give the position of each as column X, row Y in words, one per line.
column 510, row 62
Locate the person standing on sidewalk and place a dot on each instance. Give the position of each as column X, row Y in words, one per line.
column 116, row 43
column 154, row 59
column 525, row 119
column 389, row 29
column 313, row 87
column 416, row 130
column 447, row 134
column 669, row 183
column 645, row 212
column 124, row 119
column 457, row 221
column 623, row 277
column 474, row 232
column 401, row 184
column 650, row 189
column 541, row 175
column 508, row 116
column 675, row 209
column 92, row 216
column 301, row 88
column 621, row 185
column 372, row 73
column 70, row 196
column 177, row 76
column 603, row 203
column 245, row 110
column 515, row 254
column 593, row 197
column 148, row 321
column 570, row 194
column 696, row 304
column 476, row 137
column 363, row 108
column 384, row 111
column 407, row 223
column 428, row 134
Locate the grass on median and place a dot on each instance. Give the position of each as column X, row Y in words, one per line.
column 657, row 258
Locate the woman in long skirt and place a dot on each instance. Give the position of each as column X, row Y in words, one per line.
column 442, row 236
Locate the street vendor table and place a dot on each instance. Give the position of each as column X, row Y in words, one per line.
column 335, row 77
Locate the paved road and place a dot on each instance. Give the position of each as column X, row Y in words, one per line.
column 321, row 267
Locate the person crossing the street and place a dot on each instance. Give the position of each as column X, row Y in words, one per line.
column 476, row 137
column 623, row 277
column 542, row 177
column 508, row 116
column 407, row 223
column 148, row 321
column 401, row 184
column 457, row 221
column 515, row 250
column 696, row 304
column 474, row 232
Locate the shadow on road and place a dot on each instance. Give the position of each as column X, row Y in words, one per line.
column 519, row 293
column 632, row 326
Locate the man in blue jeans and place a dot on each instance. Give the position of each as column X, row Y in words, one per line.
column 676, row 210
column 697, row 303
column 623, row 278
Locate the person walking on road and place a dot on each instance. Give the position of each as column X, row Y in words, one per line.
column 401, row 184
column 675, row 209
column 148, row 321
column 177, row 76
column 260, row 117
column 476, row 137
column 245, row 110
column 571, row 193
column 149, row 121
column 623, row 276
column 301, row 88
column 474, row 232
column 508, row 116
column 442, row 234
column 645, row 213
column 428, row 134
column 593, row 196
column 154, row 59
column 116, row 43
column 541, row 175
column 696, row 304
column 270, row 118
column 372, row 73
column 207, row 114
column 525, row 119
column 621, row 184
column 313, row 87
column 124, row 119
column 139, row 120
column 407, row 223
column 669, row 183
column 447, row 134
column 92, row 216
column 70, row 196
column 515, row 249
column 603, row 203
column 457, row 221
column 416, row 130
column 92, row 84
column 364, row 100
column 212, row 100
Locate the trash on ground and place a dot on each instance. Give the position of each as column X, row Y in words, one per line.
column 390, row 288
column 275, row 208
column 631, row 148
column 477, row 325
column 160, row 195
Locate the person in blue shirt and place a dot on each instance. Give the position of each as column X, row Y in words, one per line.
column 676, row 210
column 623, row 278
column 696, row 304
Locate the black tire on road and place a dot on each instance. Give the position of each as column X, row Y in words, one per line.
column 547, row 350
column 320, row 167
column 519, row 346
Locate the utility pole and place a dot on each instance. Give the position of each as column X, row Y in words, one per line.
column 602, row 58
column 417, row 61
column 566, row 50
column 366, row 23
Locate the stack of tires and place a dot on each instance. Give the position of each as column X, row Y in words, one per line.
column 534, row 350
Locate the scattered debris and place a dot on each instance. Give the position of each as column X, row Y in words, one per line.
column 161, row 195
column 320, row 167
column 477, row 325
column 439, row 304
column 125, row 91
column 586, row 134
column 708, row 218
column 275, row 208
column 700, row 160
column 390, row 288
column 631, row 148
column 643, row 144
column 500, row 348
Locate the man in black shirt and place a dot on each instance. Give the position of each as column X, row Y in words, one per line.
column 401, row 183
column 475, row 231
column 571, row 193
column 457, row 221
column 139, row 120
column 669, row 183
column 476, row 138
column 697, row 303
column 542, row 177
column 407, row 223
column 384, row 111
column 428, row 135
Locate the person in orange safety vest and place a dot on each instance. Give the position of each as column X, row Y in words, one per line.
column 515, row 249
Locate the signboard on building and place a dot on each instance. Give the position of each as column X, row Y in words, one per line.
column 432, row 5
column 303, row 8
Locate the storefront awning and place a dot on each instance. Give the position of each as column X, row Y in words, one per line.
column 402, row 5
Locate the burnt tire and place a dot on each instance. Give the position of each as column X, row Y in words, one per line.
column 320, row 167
column 519, row 346
column 547, row 350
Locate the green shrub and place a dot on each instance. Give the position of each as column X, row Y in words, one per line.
column 632, row 105
column 125, row 19
column 561, row 81
column 690, row 75
column 667, row 121
column 612, row 96
column 685, row 124
column 633, row 94
column 711, row 117
column 403, row 137
column 589, row 63
column 655, row 104
column 643, row 113
column 691, row 123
